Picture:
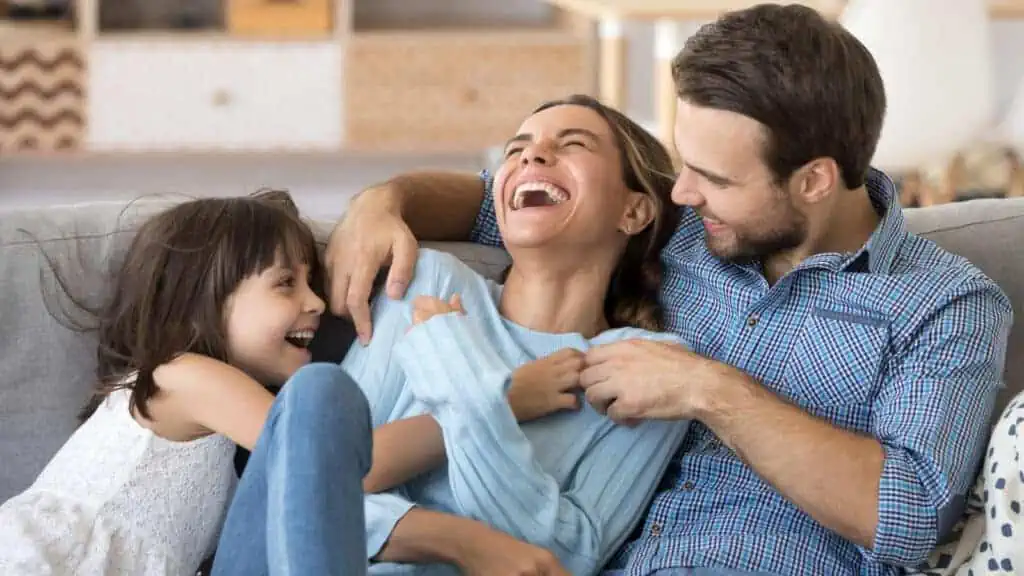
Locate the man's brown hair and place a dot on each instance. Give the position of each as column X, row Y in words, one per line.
column 813, row 85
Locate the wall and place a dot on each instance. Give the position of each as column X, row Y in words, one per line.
column 323, row 185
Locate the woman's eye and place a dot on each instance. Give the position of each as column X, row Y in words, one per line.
column 575, row 143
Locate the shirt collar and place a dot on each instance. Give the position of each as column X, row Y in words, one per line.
column 884, row 244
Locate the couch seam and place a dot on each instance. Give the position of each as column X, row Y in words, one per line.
column 974, row 223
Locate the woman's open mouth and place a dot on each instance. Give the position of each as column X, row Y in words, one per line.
column 537, row 194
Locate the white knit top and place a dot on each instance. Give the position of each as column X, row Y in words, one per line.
column 118, row 499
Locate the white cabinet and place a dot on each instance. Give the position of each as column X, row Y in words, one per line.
column 217, row 95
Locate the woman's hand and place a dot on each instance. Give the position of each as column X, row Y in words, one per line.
column 426, row 307
column 546, row 385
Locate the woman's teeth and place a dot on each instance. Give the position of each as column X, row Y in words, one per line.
column 537, row 194
column 300, row 338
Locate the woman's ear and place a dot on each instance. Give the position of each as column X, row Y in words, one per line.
column 638, row 214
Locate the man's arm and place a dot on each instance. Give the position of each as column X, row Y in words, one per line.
column 436, row 206
column 382, row 225
column 895, row 494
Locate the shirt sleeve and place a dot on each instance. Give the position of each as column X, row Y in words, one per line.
column 383, row 512
column 485, row 229
column 493, row 474
column 933, row 417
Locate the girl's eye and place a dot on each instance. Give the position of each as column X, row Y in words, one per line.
column 575, row 143
column 287, row 282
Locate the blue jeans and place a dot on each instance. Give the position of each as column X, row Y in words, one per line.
column 298, row 508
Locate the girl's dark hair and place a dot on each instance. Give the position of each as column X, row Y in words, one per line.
column 168, row 295
column 634, row 294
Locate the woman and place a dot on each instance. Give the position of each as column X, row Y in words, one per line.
column 582, row 199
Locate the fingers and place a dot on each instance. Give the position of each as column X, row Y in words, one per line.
column 568, row 402
column 337, row 290
column 456, row 303
column 403, row 263
column 601, row 397
column 357, row 300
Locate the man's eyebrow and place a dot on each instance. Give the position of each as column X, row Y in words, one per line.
column 711, row 176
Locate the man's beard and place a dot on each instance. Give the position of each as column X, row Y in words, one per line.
column 749, row 247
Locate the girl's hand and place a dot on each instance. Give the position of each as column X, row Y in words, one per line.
column 546, row 385
column 426, row 307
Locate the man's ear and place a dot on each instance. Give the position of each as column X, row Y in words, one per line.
column 817, row 179
column 638, row 215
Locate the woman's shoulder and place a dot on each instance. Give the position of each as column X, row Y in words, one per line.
column 633, row 333
column 441, row 274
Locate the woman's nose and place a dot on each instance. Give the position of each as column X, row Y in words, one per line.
column 537, row 154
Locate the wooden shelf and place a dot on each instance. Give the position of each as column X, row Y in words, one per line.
column 710, row 9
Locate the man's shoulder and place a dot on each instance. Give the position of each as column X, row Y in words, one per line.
column 937, row 282
column 939, row 272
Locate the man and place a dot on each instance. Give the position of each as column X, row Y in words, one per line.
column 841, row 371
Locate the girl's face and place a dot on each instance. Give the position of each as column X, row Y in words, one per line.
column 561, row 181
column 270, row 320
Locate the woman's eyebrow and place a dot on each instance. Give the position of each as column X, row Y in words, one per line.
column 527, row 137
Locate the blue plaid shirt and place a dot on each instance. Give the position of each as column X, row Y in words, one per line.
column 901, row 340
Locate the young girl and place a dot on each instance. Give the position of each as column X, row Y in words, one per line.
column 211, row 305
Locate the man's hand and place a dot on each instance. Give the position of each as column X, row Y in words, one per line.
column 546, row 385
column 371, row 235
column 638, row 379
column 426, row 307
column 494, row 553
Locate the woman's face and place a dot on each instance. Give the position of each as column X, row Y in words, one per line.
column 561, row 183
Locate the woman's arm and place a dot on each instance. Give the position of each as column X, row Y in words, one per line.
column 402, row 450
column 424, row 536
column 493, row 472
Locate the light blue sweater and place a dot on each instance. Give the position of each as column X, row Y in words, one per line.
column 574, row 482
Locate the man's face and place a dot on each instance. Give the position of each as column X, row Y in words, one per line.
column 746, row 215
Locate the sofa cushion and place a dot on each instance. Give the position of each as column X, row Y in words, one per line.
column 989, row 233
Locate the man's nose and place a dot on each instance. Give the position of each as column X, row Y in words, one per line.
column 686, row 191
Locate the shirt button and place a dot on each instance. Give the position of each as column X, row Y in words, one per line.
column 753, row 319
column 655, row 529
column 688, row 486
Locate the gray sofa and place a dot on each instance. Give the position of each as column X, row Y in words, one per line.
column 46, row 368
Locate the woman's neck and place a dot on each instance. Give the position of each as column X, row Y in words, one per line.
column 557, row 300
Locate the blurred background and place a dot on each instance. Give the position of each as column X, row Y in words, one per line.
column 112, row 99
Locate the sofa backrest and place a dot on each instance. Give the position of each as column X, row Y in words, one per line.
column 46, row 369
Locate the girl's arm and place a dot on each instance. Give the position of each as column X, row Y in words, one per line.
column 492, row 469
column 199, row 393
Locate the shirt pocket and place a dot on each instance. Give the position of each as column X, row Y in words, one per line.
column 837, row 358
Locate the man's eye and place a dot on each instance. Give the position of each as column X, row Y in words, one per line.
column 512, row 152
